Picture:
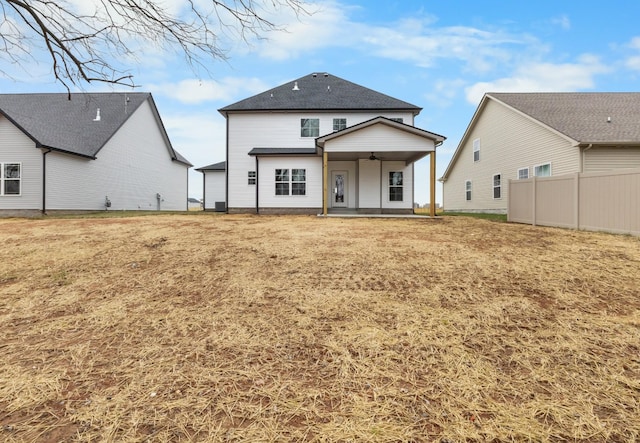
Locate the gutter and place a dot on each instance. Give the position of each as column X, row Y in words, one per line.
column 257, row 186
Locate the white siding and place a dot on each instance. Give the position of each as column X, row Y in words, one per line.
column 214, row 188
column 378, row 138
column 267, row 183
column 508, row 142
column 369, row 184
column 275, row 130
column 15, row 147
column 130, row 169
column 606, row 159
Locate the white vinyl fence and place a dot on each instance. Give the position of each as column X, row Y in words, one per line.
column 597, row 201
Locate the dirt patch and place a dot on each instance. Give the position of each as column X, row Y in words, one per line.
column 298, row 328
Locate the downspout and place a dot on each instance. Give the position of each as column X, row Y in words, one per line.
column 226, row 172
column 44, row 181
column 257, row 186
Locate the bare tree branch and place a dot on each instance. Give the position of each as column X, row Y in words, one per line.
column 87, row 40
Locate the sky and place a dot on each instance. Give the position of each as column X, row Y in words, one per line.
column 439, row 55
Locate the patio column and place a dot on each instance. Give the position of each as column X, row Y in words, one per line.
column 432, row 204
column 325, row 182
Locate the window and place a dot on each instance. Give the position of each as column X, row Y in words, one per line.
column 542, row 170
column 476, row 150
column 10, row 178
column 297, row 182
column 309, row 127
column 497, row 186
column 397, row 119
column 251, row 177
column 467, row 190
column 395, row 186
column 339, row 124
column 523, row 173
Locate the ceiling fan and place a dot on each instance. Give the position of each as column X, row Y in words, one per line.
column 373, row 157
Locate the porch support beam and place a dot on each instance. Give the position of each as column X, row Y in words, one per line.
column 325, row 182
column 432, row 204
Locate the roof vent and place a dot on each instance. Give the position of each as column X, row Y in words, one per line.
column 326, row 74
column 314, row 75
column 295, row 87
column 608, row 119
column 97, row 119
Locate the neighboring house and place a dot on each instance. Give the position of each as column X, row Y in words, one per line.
column 521, row 135
column 320, row 144
column 214, row 186
column 194, row 204
column 87, row 152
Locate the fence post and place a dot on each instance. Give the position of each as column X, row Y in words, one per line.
column 533, row 199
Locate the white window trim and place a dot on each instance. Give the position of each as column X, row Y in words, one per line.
column 389, row 186
column 476, row 148
column 2, row 179
column 470, row 190
column 290, row 182
column 334, row 123
column 301, row 128
column 522, row 169
column 543, row 164
column 253, row 177
column 493, row 186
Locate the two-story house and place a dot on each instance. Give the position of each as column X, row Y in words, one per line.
column 320, row 144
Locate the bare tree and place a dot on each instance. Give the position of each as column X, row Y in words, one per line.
column 87, row 40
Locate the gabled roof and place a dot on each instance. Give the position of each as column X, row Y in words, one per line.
column 583, row 118
column 220, row 166
column 320, row 92
column 438, row 139
column 70, row 124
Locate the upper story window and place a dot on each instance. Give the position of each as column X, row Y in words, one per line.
column 476, row 150
column 497, row 186
column 397, row 119
column 339, row 124
column 10, row 178
column 309, row 127
column 542, row 170
column 467, row 190
column 251, row 177
column 523, row 173
column 291, row 184
column 395, row 186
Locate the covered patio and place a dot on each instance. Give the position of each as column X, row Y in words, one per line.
column 369, row 168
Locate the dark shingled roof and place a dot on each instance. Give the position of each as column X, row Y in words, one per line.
column 283, row 151
column 54, row 121
column 221, row 166
column 582, row 116
column 320, row 92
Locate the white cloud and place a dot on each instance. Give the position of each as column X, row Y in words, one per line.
column 193, row 91
column 563, row 21
column 543, row 77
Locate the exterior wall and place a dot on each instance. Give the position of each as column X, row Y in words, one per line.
column 214, row 189
column 267, row 184
column 508, row 142
column 131, row 169
column 352, row 181
column 599, row 201
column 379, row 138
column 605, row 159
column 16, row 147
column 369, row 184
column 275, row 130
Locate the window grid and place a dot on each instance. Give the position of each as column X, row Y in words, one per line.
column 396, row 186
column 523, row 173
column 10, row 178
column 467, row 190
column 309, row 127
column 339, row 124
column 497, row 186
column 296, row 182
column 251, row 177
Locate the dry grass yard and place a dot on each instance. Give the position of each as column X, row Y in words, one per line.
column 172, row 328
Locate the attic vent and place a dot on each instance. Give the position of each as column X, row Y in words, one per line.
column 326, row 74
column 97, row 119
column 314, row 75
column 295, row 87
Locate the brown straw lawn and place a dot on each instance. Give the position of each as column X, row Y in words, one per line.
column 262, row 328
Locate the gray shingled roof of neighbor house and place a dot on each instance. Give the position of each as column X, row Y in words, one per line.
column 220, row 166
column 320, row 92
column 586, row 117
column 69, row 123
